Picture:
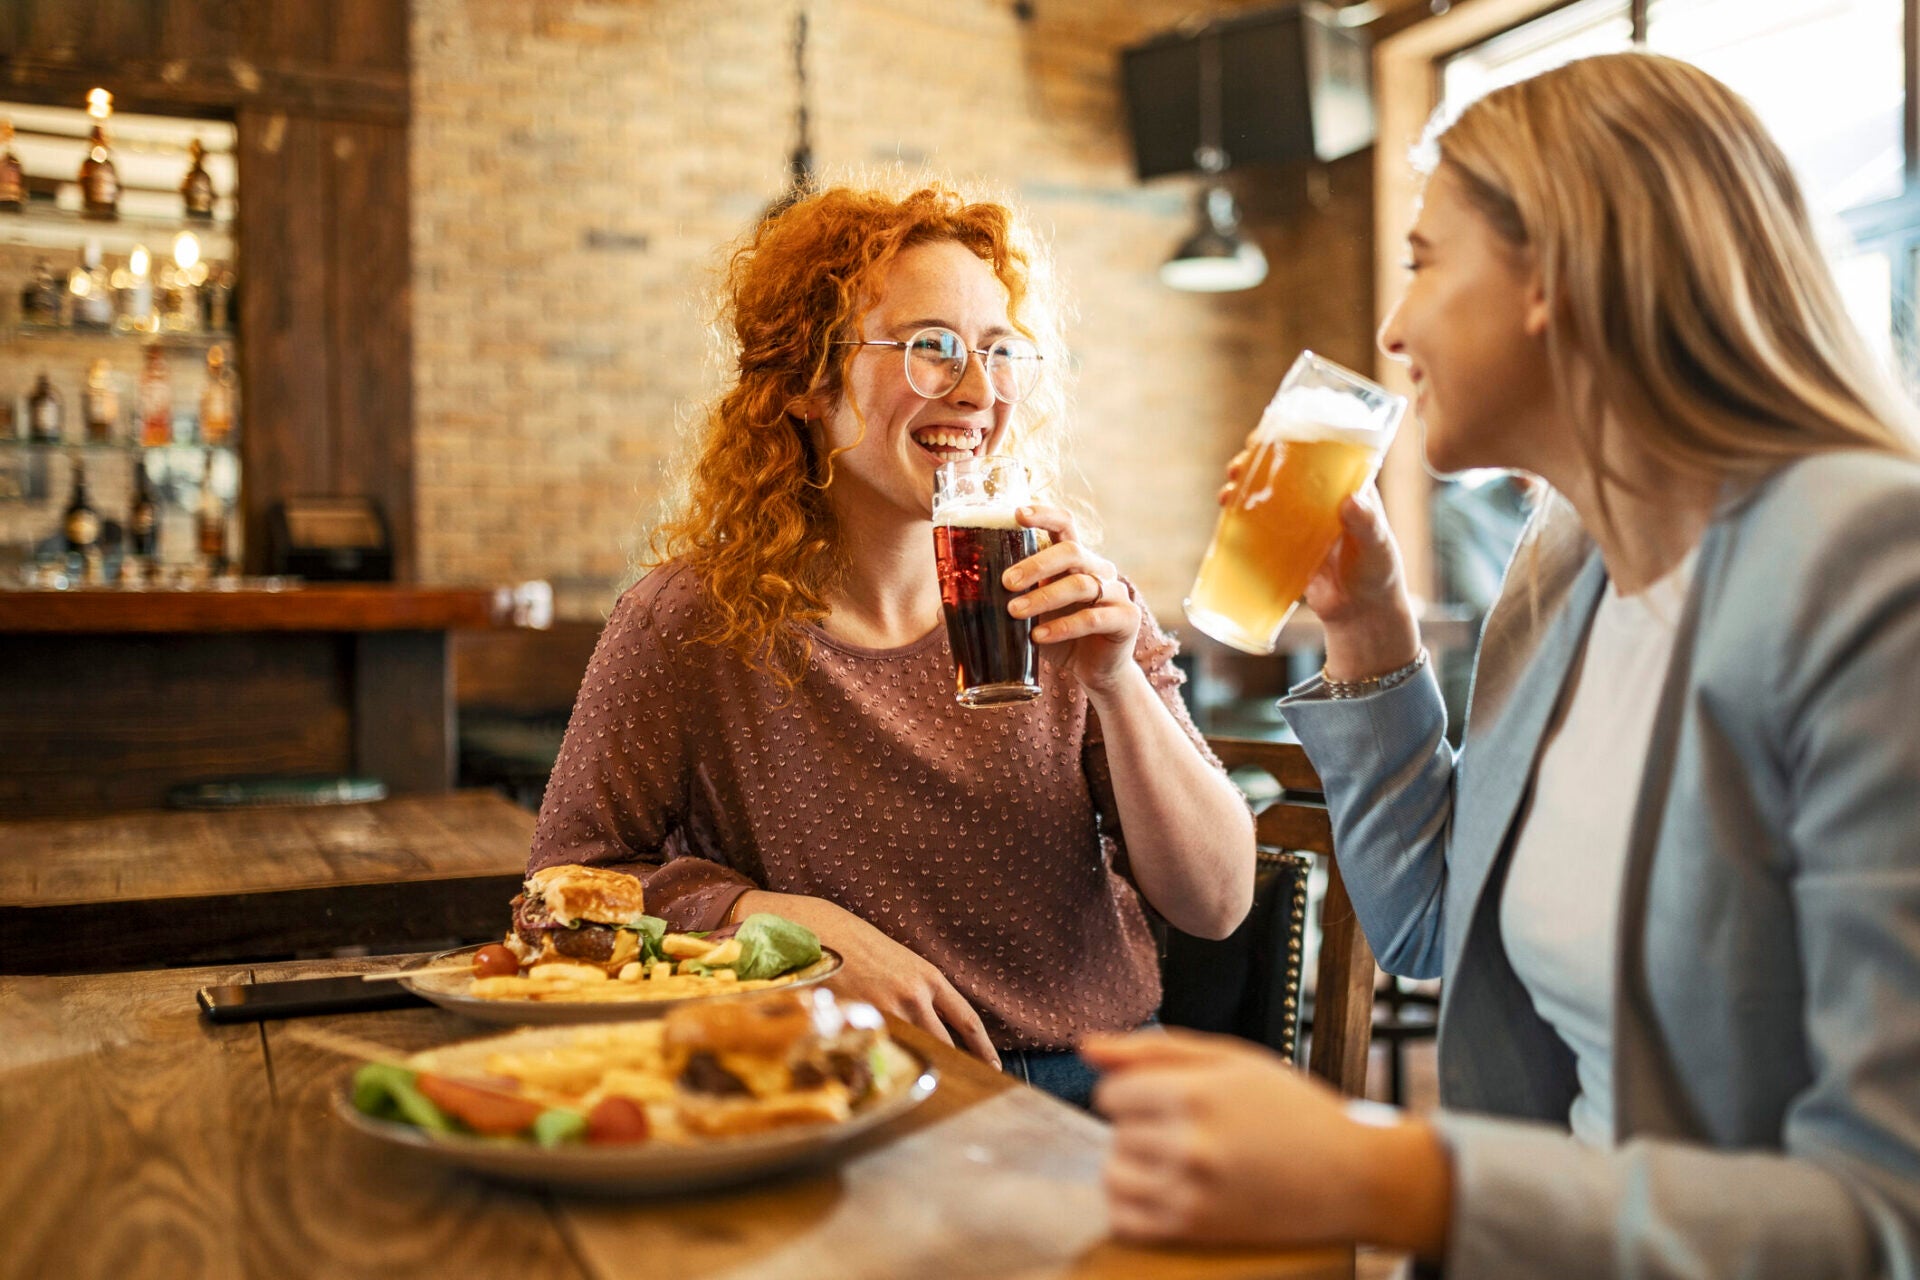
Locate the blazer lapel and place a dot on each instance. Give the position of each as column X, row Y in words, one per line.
column 1646, row 1098
column 1498, row 766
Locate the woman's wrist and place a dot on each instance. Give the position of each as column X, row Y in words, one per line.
column 1364, row 649
column 1407, row 1201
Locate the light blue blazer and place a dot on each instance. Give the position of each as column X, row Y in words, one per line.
column 1766, row 1025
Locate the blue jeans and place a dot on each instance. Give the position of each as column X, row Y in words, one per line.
column 1060, row 1072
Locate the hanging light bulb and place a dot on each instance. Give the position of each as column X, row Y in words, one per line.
column 1216, row 258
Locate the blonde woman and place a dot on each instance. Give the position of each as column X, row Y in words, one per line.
column 1672, row 881
column 768, row 723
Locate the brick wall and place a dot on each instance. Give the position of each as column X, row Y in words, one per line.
column 577, row 165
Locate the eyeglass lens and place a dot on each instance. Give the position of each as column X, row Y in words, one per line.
column 937, row 361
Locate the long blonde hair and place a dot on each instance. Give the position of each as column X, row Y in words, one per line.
column 1689, row 293
column 752, row 520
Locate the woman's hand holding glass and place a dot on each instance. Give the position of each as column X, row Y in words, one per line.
column 1084, row 619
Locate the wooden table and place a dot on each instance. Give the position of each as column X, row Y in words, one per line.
column 143, row 1141
column 146, row 889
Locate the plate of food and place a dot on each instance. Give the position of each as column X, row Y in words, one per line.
column 581, row 948
column 710, row 1094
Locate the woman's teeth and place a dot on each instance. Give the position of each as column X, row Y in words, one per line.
column 947, row 440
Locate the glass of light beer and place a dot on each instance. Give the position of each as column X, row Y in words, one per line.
column 976, row 539
column 1321, row 438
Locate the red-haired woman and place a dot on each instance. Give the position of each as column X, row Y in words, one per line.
column 769, row 722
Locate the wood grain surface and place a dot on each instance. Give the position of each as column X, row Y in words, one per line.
column 147, row 1142
column 153, row 888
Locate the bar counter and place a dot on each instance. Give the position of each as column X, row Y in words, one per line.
column 253, row 605
column 108, row 698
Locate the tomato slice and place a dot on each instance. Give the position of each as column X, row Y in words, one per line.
column 617, row 1119
column 481, row 1110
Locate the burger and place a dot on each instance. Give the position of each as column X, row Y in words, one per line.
column 784, row 1058
column 579, row 915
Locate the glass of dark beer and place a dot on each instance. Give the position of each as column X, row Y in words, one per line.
column 976, row 539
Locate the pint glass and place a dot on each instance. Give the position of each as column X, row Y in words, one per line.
column 976, row 539
column 1320, row 439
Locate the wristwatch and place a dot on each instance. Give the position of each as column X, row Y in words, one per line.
column 1341, row 689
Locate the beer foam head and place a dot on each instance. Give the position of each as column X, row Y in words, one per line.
column 978, row 513
column 1321, row 413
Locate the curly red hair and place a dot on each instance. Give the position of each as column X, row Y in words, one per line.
column 754, row 523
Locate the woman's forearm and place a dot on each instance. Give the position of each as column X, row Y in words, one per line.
column 1189, row 835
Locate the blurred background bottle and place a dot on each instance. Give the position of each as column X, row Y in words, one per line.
column 216, row 400
column 99, row 180
column 197, row 189
column 100, row 405
column 156, row 400
column 13, row 179
column 45, row 413
column 211, row 519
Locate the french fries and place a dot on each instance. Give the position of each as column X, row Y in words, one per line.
column 560, row 982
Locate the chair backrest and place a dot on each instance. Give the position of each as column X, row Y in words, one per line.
column 1297, row 822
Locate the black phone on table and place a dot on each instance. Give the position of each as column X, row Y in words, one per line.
column 297, row 997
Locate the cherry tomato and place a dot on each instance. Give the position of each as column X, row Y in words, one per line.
column 617, row 1119
column 495, row 962
column 481, row 1110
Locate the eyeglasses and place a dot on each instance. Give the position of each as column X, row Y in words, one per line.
column 936, row 361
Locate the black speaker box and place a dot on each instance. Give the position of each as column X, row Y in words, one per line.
column 1294, row 85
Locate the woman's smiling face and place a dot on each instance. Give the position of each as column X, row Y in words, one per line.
column 1471, row 328
column 890, row 460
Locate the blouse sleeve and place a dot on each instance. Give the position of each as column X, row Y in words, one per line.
column 618, row 794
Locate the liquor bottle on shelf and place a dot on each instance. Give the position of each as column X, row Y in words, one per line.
column 216, row 400
column 91, row 291
column 40, row 300
column 180, row 286
column 13, row 179
column 216, row 299
column 133, row 291
column 45, row 413
column 99, row 180
column 197, row 189
column 81, row 523
column 156, row 400
column 210, row 519
column 100, row 406
column 143, row 522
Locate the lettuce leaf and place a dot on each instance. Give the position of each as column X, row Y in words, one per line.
column 387, row 1092
column 771, row 945
column 557, row 1125
column 651, row 929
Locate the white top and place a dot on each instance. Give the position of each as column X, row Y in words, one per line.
column 1559, row 914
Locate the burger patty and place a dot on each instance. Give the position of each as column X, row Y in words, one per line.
column 534, row 924
column 589, row 942
column 704, row 1074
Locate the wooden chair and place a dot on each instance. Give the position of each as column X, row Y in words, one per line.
column 1266, row 979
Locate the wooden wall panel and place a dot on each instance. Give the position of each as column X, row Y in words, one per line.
column 370, row 34
column 286, row 343
column 370, row 313
column 228, row 705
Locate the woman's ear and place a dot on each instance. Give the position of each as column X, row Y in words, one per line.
column 1538, row 317
column 807, row 408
